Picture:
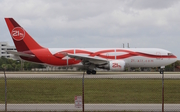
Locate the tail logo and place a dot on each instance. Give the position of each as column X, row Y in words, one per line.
column 18, row 33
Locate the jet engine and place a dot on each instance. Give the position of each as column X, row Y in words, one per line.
column 115, row 65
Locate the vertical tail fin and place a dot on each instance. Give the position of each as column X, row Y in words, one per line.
column 22, row 40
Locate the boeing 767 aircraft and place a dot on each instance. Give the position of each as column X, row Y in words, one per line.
column 115, row 59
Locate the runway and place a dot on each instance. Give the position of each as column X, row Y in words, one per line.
column 92, row 107
column 100, row 75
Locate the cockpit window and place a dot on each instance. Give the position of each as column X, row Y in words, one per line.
column 170, row 54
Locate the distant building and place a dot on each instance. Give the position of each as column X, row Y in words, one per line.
column 5, row 47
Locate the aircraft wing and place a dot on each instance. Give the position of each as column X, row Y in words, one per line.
column 94, row 60
column 21, row 54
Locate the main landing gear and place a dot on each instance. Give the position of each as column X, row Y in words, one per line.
column 91, row 72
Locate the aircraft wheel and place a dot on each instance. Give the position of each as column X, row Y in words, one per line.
column 93, row 72
column 88, row 72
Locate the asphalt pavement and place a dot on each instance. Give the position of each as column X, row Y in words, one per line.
column 79, row 75
column 92, row 107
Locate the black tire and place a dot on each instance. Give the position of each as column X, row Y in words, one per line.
column 93, row 72
column 88, row 72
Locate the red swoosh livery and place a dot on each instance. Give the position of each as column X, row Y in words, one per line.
column 91, row 58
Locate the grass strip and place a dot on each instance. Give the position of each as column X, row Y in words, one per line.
column 96, row 90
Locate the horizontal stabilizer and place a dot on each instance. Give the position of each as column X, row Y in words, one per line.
column 21, row 54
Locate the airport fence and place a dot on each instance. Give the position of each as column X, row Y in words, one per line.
column 107, row 93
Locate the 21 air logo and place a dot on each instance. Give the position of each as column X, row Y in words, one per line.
column 116, row 65
column 18, row 33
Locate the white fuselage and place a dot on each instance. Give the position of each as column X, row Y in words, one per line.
column 133, row 57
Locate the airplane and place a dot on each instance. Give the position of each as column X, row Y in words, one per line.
column 114, row 59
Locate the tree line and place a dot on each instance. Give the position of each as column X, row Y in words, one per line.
column 15, row 65
column 172, row 66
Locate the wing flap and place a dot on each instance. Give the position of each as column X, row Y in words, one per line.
column 93, row 60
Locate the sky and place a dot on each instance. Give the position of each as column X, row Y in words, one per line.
column 96, row 23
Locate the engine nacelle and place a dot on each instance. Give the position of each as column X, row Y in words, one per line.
column 116, row 65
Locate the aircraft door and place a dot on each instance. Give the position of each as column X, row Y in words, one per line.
column 107, row 56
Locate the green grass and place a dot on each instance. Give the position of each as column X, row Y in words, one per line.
column 96, row 90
